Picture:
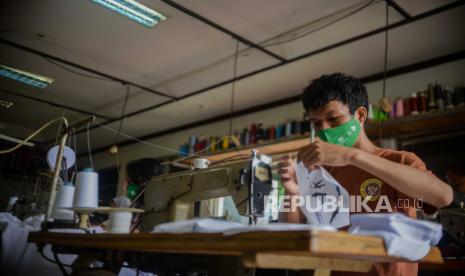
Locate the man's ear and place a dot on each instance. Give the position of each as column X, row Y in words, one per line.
column 361, row 114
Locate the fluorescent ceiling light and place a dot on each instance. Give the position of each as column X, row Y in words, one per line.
column 134, row 11
column 25, row 77
column 6, row 104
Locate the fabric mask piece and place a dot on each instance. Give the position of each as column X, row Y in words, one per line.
column 343, row 135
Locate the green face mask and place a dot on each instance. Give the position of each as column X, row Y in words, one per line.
column 133, row 189
column 343, row 135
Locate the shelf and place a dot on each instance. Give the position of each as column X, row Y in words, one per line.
column 415, row 125
column 421, row 124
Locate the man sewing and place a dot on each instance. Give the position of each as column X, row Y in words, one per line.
column 337, row 106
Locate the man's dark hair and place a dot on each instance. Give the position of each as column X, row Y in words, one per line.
column 141, row 170
column 335, row 87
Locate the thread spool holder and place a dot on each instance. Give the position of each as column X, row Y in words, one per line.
column 56, row 171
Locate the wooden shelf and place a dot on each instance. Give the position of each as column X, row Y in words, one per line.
column 421, row 124
column 415, row 125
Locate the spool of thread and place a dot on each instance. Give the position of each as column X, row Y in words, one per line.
column 399, row 107
column 213, row 144
column 64, row 199
column 414, row 104
column 459, row 97
column 371, row 115
column 439, row 96
column 393, row 111
column 253, row 134
column 406, row 103
column 288, row 129
column 279, row 131
column 184, row 149
column 86, row 192
column 422, row 102
column 242, row 137
column 259, row 134
column 247, row 137
column 225, row 143
column 296, row 127
column 198, row 146
column 120, row 222
column 192, row 142
column 448, row 96
column 272, row 134
column 431, row 98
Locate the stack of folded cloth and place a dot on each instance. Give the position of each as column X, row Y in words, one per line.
column 403, row 236
column 208, row 225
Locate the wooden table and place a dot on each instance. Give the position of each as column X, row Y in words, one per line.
column 303, row 250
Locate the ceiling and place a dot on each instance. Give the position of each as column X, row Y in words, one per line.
column 183, row 56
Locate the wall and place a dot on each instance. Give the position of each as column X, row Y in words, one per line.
column 449, row 74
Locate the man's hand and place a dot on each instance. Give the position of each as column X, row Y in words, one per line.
column 286, row 168
column 321, row 153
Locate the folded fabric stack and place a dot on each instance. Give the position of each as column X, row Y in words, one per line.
column 403, row 236
column 207, row 225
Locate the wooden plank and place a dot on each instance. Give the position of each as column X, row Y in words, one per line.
column 296, row 241
column 315, row 243
column 289, row 261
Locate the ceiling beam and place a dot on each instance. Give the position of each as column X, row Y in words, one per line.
column 82, row 67
column 398, row 8
column 55, row 104
column 221, row 29
column 292, row 99
column 404, row 22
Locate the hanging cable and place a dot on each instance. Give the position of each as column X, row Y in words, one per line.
column 233, row 88
column 75, row 72
column 75, row 152
column 126, row 98
column 35, row 133
column 88, row 147
column 386, row 47
column 298, row 36
column 195, row 154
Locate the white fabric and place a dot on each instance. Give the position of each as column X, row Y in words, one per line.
column 207, row 225
column 18, row 257
column 122, row 202
column 318, row 185
column 403, row 236
column 281, row 227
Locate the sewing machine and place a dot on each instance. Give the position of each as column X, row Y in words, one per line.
column 453, row 222
column 173, row 197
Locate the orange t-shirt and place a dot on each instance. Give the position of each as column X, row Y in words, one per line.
column 361, row 183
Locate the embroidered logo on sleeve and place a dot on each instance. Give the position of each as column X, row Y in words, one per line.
column 371, row 188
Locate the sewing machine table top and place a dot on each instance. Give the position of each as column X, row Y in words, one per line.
column 253, row 246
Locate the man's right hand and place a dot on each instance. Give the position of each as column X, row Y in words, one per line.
column 286, row 169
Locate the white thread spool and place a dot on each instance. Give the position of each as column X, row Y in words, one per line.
column 64, row 199
column 201, row 163
column 86, row 194
column 120, row 221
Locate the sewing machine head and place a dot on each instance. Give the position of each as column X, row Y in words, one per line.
column 172, row 197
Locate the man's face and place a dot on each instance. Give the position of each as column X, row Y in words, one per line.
column 333, row 114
